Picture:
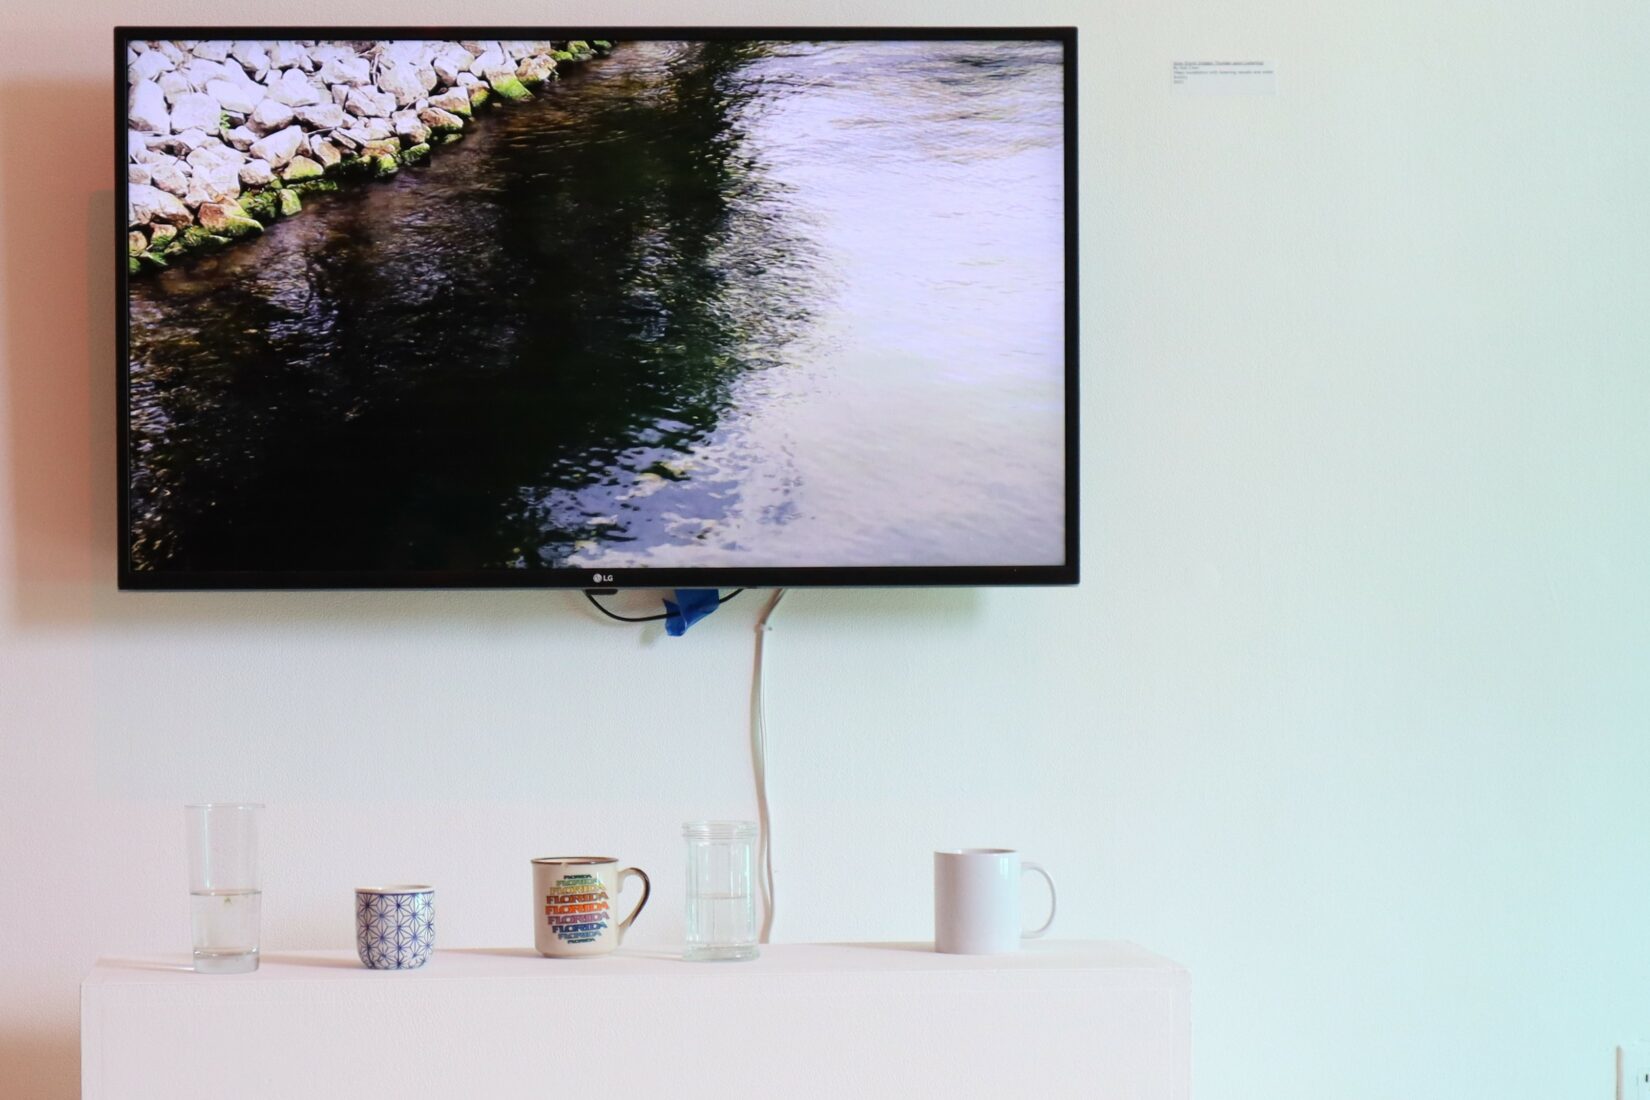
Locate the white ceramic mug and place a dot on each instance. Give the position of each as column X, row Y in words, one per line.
column 573, row 900
column 977, row 901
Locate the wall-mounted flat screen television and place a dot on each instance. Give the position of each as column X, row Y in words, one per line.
column 623, row 307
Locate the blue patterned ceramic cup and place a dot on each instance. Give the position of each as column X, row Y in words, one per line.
column 394, row 926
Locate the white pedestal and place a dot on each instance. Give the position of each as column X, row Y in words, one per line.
column 804, row 1020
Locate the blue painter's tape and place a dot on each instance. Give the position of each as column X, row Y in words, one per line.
column 690, row 605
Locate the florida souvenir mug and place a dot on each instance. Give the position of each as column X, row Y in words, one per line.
column 573, row 905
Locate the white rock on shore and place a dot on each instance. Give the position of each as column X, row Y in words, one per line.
column 449, row 63
column 455, row 100
column 270, row 116
column 440, row 121
column 146, row 108
column 285, row 55
column 535, row 69
column 326, row 154
column 233, row 96
column 169, row 176
column 367, row 103
column 202, row 71
column 213, row 186
column 278, row 148
column 195, row 111
column 409, row 128
column 402, row 81
column 214, row 154
column 185, row 142
column 295, row 89
column 256, row 173
column 174, row 84
column 146, row 204
column 148, row 66
column 321, row 116
column 354, row 71
column 252, row 57
column 216, row 175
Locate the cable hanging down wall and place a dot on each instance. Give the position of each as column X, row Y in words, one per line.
column 759, row 766
column 759, row 739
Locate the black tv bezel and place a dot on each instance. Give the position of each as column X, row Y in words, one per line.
column 1065, row 573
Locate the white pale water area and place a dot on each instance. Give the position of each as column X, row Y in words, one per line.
column 917, row 417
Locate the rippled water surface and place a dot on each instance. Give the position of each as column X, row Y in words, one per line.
column 697, row 304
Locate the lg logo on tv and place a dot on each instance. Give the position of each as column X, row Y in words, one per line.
column 602, row 578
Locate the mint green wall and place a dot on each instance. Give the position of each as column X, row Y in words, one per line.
column 1351, row 714
column 1370, row 459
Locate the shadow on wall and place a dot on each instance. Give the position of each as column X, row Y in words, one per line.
column 53, row 334
column 59, row 395
column 39, row 1065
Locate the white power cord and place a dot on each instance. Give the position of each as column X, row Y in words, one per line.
column 759, row 766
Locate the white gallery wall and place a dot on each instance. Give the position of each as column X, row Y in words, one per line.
column 1351, row 713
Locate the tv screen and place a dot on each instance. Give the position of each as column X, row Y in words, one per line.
column 619, row 308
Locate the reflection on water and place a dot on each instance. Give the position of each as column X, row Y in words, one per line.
column 699, row 304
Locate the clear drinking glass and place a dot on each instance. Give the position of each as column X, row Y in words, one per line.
column 224, row 889
column 721, row 901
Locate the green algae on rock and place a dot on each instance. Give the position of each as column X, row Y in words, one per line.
column 261, row 205
column 353, row 167
column 536, row 71
column 301, row 168
column 454, row 101
column 440, row 121
column 509, row 87
column 228, row 219
column 198, row 237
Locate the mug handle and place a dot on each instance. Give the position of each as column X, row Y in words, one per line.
column 647, row 889
column 1025, row 867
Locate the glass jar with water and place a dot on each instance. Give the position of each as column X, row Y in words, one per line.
column 721, row 896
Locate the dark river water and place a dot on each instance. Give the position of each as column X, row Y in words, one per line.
column 696, row 304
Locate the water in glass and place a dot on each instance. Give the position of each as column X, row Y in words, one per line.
column 225, row 924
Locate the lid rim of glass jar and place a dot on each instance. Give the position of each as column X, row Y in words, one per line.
column 719, row 830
